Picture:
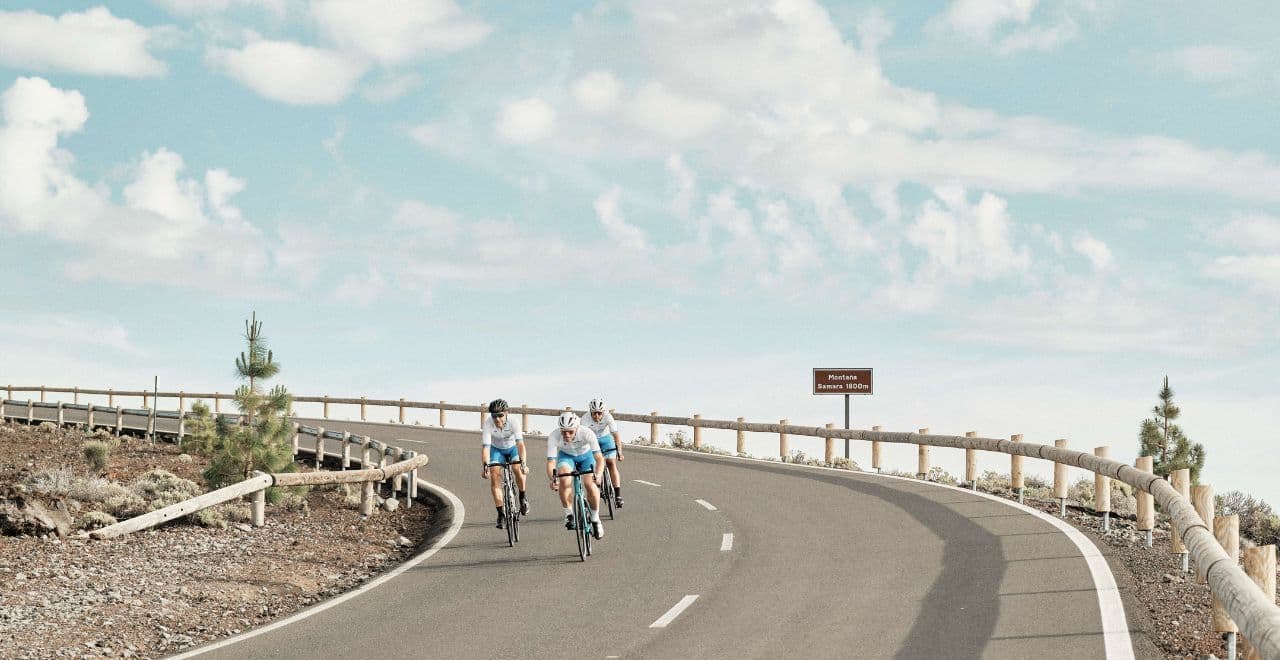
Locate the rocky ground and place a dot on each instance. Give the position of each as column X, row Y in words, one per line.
column 163, row 590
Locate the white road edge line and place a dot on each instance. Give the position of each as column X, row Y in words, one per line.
column 647, row 483
column 674, row 612
column 709, row 506
column 1115, row 628
column 726, row 544
column 459, row 515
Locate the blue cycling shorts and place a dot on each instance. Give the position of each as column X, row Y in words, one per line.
column 583, row 463
column 498, row 455
column 607, row 446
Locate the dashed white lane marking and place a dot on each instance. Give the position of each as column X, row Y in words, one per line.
column 709, row 506
column 647, row 483
column 726, row 544
column 674, row 612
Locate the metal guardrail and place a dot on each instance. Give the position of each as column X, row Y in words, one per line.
column 1253, row 611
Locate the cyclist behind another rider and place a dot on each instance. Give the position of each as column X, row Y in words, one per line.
column 601, row 423
column 502, row 442
column 574, row 448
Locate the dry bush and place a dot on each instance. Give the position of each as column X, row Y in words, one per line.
column 95, row 520
column 96, row 454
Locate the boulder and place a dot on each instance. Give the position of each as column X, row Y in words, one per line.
column 20, row 514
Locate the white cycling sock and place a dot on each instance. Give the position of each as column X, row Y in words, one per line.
column 568, row 511
column 595, row 515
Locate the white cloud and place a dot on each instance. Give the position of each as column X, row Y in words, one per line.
column 1094, row 250
column 966, row 241
column 624, row 234
column 672, row 116
column 361, row 289
column 92, row 42
column 1007, row 26
column 526, row 120
column 204, row 7
column 395, row 31
column 1259, row 272
column 436, row 223
column 597, row 91
column 686, row 183
column 392, row 88
column 170, row 228
column 68, row 330
column 1253, row 232
column 290, row 72
column 1211, row 63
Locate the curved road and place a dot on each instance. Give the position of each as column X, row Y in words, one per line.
column 820, row 562
column 824, row 563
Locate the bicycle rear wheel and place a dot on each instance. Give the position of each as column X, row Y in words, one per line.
column 606, row 493
column 508, row 508
column 579, row 514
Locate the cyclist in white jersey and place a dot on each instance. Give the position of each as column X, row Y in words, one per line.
column 502, row 442
column 573, row 448
column 601, row 423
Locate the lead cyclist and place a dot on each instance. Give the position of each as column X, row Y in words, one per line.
column 573, row 448
column 606, row 430
column 502, row 442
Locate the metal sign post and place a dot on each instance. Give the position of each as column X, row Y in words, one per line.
column 843, row 381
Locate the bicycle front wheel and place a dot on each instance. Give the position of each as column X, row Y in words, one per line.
column 607, row 493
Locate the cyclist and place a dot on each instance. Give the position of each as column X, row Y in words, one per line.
column 606, row 430
column 502, row 442
column 573, row 448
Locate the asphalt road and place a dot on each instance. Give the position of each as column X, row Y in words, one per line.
column 822, row 563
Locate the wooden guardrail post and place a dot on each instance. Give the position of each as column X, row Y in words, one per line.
column 829, row 454
column 146, row 398
column 217, row 402
column 62, row 414
column 524, row 419
column 363, row 410
column 9, row 392
column 119, row 421
column 1016, row 481
column 875, row 450
column 366, row 448
column 1227, row 530
column 1060, row 480
column 1202, row 499
column 346, row 449
column 111, row 398
column 1181, row 482
column 325, row 403
column 182, row 400
column 1146, row 505
column 922, row 460
column 971, row 463
column 401, row 410
column 42, row 394
column 782, row 440
column 442, row 417
column 697, row 432
column 366, row 499
column 296, row 426
column 653, row 428
column 258, row 507
column 31, row 411
column 89, row 415
column 319, row 447
column 742, row 438
column 1102, row 490
column 75, row 395
column 1260, row 564
column 413, row 480
column 182, row 424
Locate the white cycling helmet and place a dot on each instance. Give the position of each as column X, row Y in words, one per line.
column 597, row 405
column 568, row 421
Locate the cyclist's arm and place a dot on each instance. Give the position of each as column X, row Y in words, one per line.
column 613, row 429
column 551, row 456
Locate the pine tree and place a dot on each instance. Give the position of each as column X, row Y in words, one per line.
column 1165, row 442
column 263, row 440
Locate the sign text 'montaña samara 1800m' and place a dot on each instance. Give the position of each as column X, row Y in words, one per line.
column 842, row 381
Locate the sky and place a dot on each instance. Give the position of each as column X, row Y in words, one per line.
column 1022, row 214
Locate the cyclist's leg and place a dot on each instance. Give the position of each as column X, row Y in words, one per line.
column 585, row 463
column 564, row 465
column 495, row 484
column 518, row 471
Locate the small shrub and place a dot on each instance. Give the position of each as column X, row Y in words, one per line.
column 210, row 517
column 843, row 463
column 47, row 427
column 96, row 454
column 125, row 505
column 941, row 476
column 237, row 513
column 351, row 496
column 680, row 440
column 58, row 482
column 293, row 501
column 103, row 434
column 95, row 520
column 1258, row 522
column 96, row 489
column 160, row 488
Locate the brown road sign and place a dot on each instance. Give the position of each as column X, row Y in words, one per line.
column 842, row 381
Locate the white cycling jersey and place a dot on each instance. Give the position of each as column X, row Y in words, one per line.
column 584, row 442
column 606, row 425
column 502, row 438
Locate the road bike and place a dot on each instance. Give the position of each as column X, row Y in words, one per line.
column 510, row 505
column 581, row 514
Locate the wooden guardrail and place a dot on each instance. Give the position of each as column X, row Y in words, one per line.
column 1249, row 607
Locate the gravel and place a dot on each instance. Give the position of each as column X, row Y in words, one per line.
column 157, row 592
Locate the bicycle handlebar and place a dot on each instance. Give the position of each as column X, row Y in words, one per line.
column 517, row 462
